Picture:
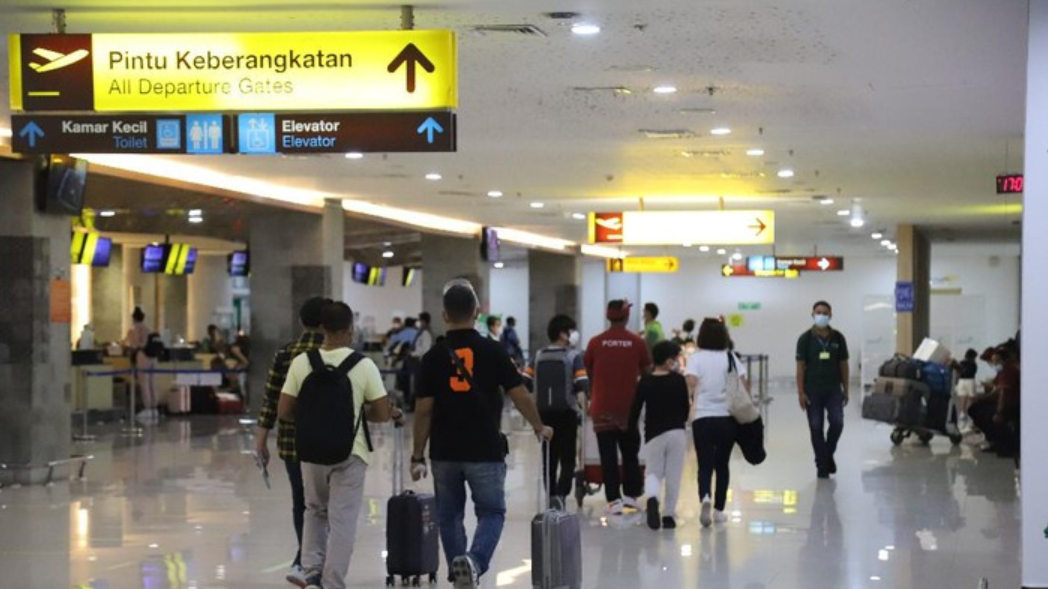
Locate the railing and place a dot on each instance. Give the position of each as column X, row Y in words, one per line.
column 82, row 459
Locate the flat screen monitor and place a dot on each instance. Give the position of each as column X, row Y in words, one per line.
column 361, row 272
column 154, row 258
column 408, row 276
column 238, row 263
column 489, row 245
column 181, row 260
column 90, row 249
column 377, row 277
column 60, row 185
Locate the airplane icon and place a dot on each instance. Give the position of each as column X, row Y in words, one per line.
column 56, row 60
column 613, row 224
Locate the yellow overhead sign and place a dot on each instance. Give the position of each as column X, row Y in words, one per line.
column 644, row 264
column 372, row 70
column 683, row 227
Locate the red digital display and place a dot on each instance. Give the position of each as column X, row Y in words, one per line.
column 1010, row 183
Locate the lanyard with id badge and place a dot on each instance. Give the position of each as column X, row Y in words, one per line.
column 824, row 355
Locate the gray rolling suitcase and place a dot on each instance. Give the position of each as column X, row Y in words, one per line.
column 556, row 544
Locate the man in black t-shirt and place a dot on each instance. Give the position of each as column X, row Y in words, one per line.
column 822, row 385
column 458, row 411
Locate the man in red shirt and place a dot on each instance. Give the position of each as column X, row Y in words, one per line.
column 614, row 361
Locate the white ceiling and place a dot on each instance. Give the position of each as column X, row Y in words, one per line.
column 909, row 106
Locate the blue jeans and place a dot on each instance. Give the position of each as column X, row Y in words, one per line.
column 487, row 486
column 825, row 406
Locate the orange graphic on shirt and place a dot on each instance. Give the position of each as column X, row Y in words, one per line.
column 458, row 383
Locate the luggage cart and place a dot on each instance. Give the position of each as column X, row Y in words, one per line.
column 589, row 479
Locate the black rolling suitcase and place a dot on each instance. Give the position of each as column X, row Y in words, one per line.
column 412, row 545
column 902, row 367
column 556, row 543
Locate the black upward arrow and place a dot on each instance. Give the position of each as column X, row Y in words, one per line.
column 411, row 56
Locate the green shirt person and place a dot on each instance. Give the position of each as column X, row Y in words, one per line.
column 652, row 333
column 822, row 385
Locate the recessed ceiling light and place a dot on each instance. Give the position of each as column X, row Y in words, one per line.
column 195, row 212
column 578, row 216
column 704, row 248
column 885, row 242
column 826, row 201
column 737, row 255
column 387, row 243
column 877, row 235
column 495, row 193
column 720, row 131
column 843, row 213
column 857, row 222
column 664, row 89
column 755, row 152
column 537, row 205
column 433, row 176
column 785, row 173
column 387, row 254
column 585, row 29
column 107, row 213
column 499, row 265
column 721, row 252
column 354, row 155
column 196, row 219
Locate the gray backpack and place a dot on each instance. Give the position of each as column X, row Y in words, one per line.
column 555, row 380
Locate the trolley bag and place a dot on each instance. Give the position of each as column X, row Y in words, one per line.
column 178, row 400
column 412, row 545
column 898, row 401
column 556, row 543
column 938, row 378
column 880, row 407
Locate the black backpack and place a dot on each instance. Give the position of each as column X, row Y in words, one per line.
column 555, row 379
column 326, row 424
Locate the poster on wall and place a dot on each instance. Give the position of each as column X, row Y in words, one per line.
column 61, row 301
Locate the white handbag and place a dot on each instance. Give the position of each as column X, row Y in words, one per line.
column 740, row 405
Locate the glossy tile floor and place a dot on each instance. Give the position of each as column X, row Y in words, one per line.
column 185, row 507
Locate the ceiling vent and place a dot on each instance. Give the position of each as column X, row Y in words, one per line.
column 667, row 133
column 775, row 191
column 462, row 193
column 616, row 90
column 520, row 30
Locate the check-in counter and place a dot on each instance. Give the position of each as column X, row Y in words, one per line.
column 90, row 392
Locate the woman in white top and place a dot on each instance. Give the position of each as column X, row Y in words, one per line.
column 136, row 340
column 713, row 427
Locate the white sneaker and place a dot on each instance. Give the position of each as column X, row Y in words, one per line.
column 296, row 576
column 705, row 518
column 465, row 573
column 614, row 508
column 719, row 517
column 631, row 503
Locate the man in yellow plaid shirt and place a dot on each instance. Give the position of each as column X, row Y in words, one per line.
column 310, row 339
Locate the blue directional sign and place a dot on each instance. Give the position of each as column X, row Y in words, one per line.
column 205, row 134
column 31, row 132
column 428, row 127
column 257, row 133
column 904, row 297
column 169, row 134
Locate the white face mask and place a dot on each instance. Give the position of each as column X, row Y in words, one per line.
column 573, row 338
column 822, row 320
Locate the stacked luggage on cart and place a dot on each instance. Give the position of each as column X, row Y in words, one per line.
column 916, row 395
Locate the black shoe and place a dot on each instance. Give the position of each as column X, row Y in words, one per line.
column 654, row 522
column 823, row 473
column 314, row 582
column 831, row 466
column 668, row 523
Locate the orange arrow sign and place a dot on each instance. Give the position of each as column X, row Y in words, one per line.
column 760, row 226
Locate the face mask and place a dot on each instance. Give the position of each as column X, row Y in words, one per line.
column 998, row 367
column 822, row 320
column 573, row 338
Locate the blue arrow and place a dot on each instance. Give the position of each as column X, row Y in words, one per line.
column 428, row 127
column 33, row 131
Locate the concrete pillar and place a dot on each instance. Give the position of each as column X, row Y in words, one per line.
column 1034, row 319
column 553, row 289
column 444, row 258
column 286, row 269
column 914, row 266
column 107, row 298
column 34, row 343
column 175, row 301
column 334, row 244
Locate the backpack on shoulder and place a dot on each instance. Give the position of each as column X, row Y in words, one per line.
column 555, row 380
column 326, row 424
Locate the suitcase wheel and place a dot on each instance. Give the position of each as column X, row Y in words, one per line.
column 898, row 436
column 390, row 581
column 433, row 578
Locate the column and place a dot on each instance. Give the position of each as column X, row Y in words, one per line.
column 444, row 258
column 34, row 335
column 334, row 244
column 107, row 298
column 286, row 269
column 1034, row 312
column 913, row 267
column 553, row 290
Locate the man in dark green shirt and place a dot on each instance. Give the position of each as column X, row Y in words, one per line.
column 822, row 385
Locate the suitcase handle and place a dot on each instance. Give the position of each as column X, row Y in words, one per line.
column 543, row 494
column 398, row 459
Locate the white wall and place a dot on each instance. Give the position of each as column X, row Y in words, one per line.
column 986, row 310
column 378, row 305
column 210, row 291
column 508, row 295
column 592, row 299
